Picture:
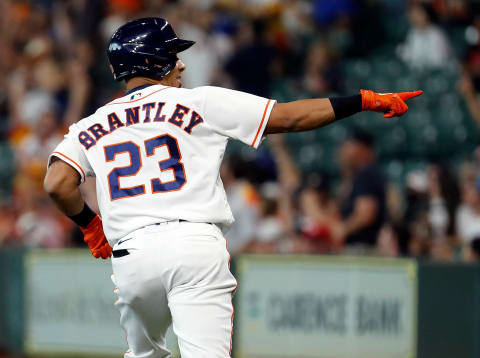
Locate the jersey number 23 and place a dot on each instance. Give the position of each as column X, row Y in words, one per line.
column 172, row 163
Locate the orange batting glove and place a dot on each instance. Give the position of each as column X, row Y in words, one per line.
column 95, row 238
column 391, row 104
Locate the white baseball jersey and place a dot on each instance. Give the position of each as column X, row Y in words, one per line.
column 156, row 153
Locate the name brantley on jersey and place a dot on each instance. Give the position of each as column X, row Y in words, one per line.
column 147, row 113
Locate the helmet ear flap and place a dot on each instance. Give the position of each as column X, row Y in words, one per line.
column 163, row 69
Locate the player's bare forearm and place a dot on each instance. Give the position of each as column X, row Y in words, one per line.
column 308, row 114
column 62, row 185
column 302, row 115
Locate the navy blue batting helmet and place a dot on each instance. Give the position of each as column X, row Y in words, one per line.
column 145, row 47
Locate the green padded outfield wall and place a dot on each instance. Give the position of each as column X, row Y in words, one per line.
column 448, row 307
column 448, row 311
column 11, row 300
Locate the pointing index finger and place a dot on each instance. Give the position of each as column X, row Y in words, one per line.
column 408, row 95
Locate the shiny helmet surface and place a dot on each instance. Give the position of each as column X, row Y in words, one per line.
column 145, row 47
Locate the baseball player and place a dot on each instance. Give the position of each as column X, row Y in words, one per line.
column 156, row 153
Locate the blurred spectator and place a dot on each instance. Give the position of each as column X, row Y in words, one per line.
column 475, row 250
column 8, row 232
column 467, row 216
column 34, row 149
column 432, row 199
column 297, row 20
column 442, row 193
column 363, row 207
column 387, row 242
column 326, row 12
column 394, row 237
column 443, row 200
column 469, row 84
column 211, row 48
column 42, row 227
column 244, row 201
column 426, row 46
column 250, row 66
column 321, row 76
column 311, row 211
column 119, row 11
column 468, row 89
column 335, row 19
column 415, row 217
column 452, row 12
column 317, row 217
column 271, row 231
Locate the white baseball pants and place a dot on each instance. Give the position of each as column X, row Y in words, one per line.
column 175, row 272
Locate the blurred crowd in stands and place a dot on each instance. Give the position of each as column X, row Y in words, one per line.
column 54, row 71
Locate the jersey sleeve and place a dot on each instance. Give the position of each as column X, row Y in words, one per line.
column 70, row 151
column 236, row 114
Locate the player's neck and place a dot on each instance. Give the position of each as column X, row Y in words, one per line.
column 140, row 81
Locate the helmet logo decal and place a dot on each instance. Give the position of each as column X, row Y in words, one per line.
column 114, row 46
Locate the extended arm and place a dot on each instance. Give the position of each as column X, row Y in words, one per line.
column 62, row 185
column 308, row 114
column 302, row 115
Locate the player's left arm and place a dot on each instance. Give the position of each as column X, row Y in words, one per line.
column 62, row 185
column 308, row 114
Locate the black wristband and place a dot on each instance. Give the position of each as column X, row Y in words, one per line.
column 346, row 106
column 84, row 217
